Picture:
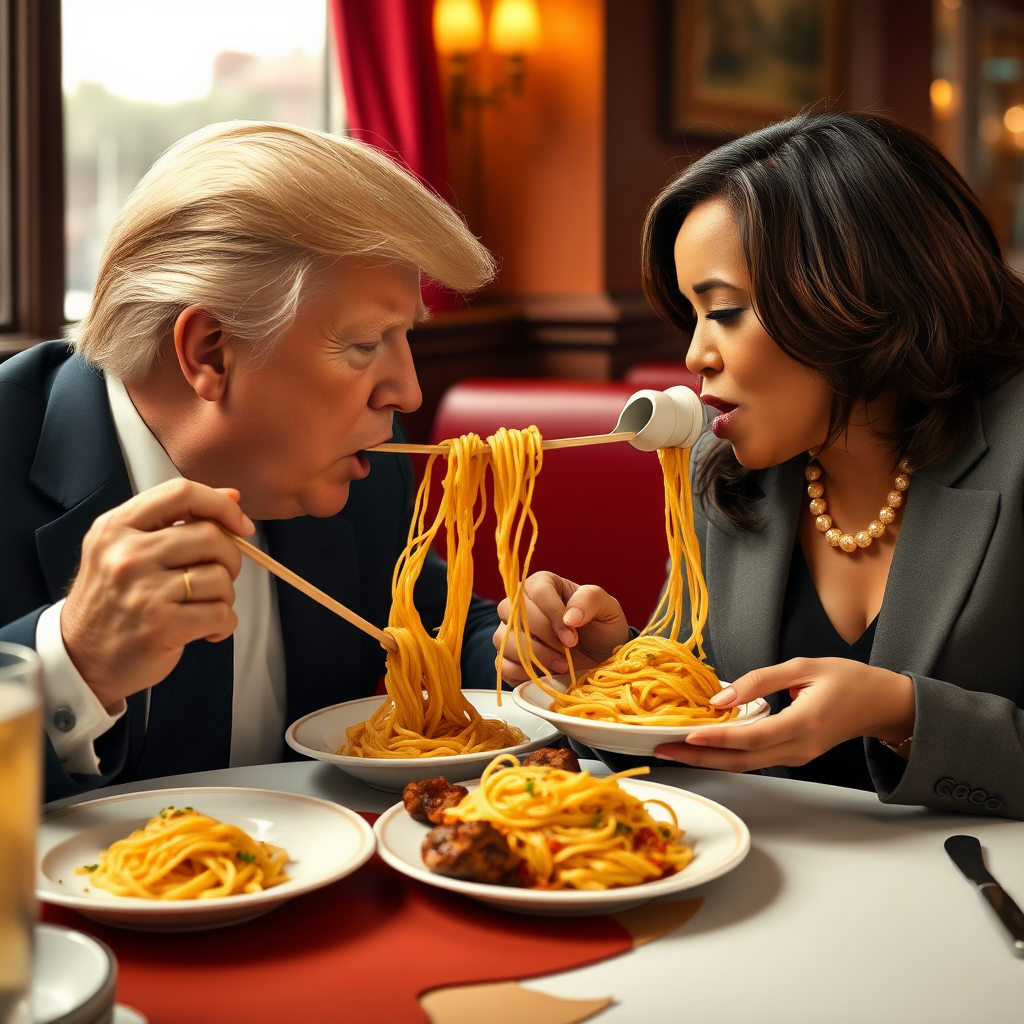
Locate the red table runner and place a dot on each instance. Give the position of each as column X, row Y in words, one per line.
column 362, row 949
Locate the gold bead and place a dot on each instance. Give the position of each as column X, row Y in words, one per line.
column 876, row 529
column 902, row 482
column 823, row 523
column 863, row 539
column 905, row 466
column 886, row 515
column 811, row 473
column 815, row 490
column 895, row 499
column 833, row 536
column 818, row 506
column 847, row 543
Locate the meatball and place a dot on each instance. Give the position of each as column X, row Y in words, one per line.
column 429, row 799
column 474, row 851
column 553, row 757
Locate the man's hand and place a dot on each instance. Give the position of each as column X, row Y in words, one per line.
column 129, row 613
column 834, row 699
column 559, row 612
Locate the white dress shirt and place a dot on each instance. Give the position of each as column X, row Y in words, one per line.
column 258, row 698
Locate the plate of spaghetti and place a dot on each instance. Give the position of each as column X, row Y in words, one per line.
column 657, row 686
column 630, row 734
column 324, row 735
column 194, row 859
column 539, row 838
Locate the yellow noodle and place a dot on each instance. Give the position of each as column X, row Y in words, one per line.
column 572, row 830
column 425, row 713
column 182, row 854
column 653, row 679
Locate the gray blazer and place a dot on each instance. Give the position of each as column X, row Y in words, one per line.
column 952, row 616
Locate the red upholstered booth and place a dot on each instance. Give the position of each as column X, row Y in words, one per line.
column 600, row 509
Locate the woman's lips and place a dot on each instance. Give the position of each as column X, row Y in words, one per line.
column 726, row 412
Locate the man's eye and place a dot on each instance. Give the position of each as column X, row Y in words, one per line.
column 367, row 350
column 724, row 315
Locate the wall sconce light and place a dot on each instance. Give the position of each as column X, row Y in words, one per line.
column 514, row 32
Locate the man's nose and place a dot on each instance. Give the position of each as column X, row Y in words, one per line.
column 401, row 387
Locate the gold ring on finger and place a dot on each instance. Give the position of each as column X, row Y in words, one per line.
column 188, row 585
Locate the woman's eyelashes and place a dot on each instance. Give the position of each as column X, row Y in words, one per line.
column 726, row 315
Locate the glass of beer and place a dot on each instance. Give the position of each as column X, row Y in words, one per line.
column 20, row 792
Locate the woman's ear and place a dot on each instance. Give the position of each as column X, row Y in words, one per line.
column 204, row 353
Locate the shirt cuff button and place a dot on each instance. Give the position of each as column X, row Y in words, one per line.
column 64, row 719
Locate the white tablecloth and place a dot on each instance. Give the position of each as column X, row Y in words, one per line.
column 845, row 910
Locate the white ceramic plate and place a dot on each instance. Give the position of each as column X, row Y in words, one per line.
column 639, row 740
column 719, row 839
column 318, row 735
column 324, row 841
column 72, row 978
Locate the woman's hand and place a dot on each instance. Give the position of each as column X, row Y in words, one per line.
column 834, row 699
column 560, row 612
column 129, row 612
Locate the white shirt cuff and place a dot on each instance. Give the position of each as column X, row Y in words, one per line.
column 72, row 714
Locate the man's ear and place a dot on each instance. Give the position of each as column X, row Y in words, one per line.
column 204, row 354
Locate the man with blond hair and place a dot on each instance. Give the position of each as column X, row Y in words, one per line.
column 246, row 343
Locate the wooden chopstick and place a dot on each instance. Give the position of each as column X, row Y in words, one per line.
column 284, row 573
column 555, row 442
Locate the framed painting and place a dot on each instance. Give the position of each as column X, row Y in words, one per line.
column 736, row 65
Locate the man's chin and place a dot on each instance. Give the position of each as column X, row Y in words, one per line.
column 323, row 505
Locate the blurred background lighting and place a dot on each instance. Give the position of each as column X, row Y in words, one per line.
column 990, row 130
column 941, row 93
column 1014, row 118
column 458, row 26
column 515, row 27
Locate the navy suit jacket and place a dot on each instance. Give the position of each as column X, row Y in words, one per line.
column 61, row 466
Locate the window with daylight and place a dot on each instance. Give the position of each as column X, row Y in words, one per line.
column 139, row 76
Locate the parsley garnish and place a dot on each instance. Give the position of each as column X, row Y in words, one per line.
column 91, row 867
column 666, row 833
column 529, row 787
column 622, row 829
column 247, row 857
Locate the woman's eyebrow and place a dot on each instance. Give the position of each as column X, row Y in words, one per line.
column 713, row 282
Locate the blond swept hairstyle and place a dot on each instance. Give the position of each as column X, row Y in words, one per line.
column 238, row 218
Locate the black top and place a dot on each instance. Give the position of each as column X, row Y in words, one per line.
column 807, row 632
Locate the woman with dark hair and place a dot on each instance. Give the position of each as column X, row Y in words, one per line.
column 861, row 515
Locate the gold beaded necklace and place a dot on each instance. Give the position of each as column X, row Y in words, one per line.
column 850, row 542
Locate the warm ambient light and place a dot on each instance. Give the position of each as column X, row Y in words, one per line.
column 514, row 32
column 515, row 27
column 941, row 93
column 1014, row 119
column 458, row 26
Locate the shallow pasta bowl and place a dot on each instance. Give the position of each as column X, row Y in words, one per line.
column 325, row 842
column 620, row 738
column 719, row 838
column 321, row 733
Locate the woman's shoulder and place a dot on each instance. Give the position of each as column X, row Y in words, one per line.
column 1002, row 418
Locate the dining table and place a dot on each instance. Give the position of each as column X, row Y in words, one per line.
column 845, row 910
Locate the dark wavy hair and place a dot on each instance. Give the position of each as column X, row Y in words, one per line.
column 871, row 261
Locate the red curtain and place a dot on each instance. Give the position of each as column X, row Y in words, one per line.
column 392, row 91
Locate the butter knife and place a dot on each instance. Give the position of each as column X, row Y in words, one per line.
column 965, row 852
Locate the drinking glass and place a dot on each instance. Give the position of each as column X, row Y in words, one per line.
column 20, row 782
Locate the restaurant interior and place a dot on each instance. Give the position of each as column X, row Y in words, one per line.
column 550, row 126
